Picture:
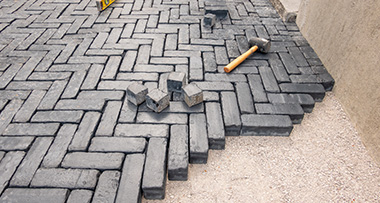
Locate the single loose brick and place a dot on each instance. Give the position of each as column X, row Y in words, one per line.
column 193, row 95
column 175, row 81
column 157, row 100
column 136, row 93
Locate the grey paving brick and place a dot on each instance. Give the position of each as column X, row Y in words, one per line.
column 317, row 91
column 279, row 70
column 220, row 77
column 34, row 195
column 106, row 95
column 65, row 178
column 215, row 126
column 298, row 56
column 294, row 111
column 257, row 88
column 15, row 143
column 52, row 96
column 130, row 182
column 74, row 84
column 326, row 80
column 142, row 130
column 178, row 157
column 162, row 118
column 29, row 85
column 118, row 144
column 157, row 100
column 198, row 149
column 128, row 61
column 154, row 176
column 99, row 40
column 304, row 79
column 9, row 74
column 100, row 161
column 34, row 129
column 192, row 95
column 80, row 104
column 85, row 130
column 266, row 125
column 59, row 147
column 114, row 85
column 8, row 113
column 306, row 101
column 171, row 42
column 107, row 187
column 269, row 81
column 58, row 116
column 138, row 76
column 128, row 112
column 111, row 68
column 80, row 195
column 289, row 63
column 215, row 86
column 175, row 81
column 1, row 155
column 137, row 93
column 31, row 162
column 242, row 44
column 231, row 114
column 8, row 166
column 221, row 56
column 109, row 118
column 209, row 62
column 244, row 97
column 49, row 76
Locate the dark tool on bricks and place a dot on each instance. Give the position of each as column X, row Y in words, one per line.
column 103, row 4
column 261, row 44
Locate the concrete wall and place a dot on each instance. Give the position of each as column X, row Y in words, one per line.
column 346, row 36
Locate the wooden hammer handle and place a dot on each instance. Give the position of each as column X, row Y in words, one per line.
column 239, row 59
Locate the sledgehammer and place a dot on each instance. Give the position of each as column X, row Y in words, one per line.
column 260, row 44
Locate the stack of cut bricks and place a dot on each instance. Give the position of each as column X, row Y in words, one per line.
column 158, row 100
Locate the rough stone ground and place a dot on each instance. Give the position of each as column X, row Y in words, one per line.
column 322, row 161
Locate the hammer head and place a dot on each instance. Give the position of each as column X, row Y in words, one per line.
column 263, row 44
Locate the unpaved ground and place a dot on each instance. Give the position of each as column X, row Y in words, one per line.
column 322, row 161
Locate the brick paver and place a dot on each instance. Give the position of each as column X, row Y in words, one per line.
column 67, row 130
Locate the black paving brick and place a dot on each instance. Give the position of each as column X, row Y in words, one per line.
column 198, row 141
column 94, row 160
column 178, row 155
column 294, row 111
column 244, row 97
column 266, row 125
column 231, row 114
column 215, row 126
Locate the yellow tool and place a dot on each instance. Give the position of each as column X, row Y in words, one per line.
column 103, row 4
column 256, row 43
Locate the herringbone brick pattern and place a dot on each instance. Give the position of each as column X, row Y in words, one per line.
column 67, row 131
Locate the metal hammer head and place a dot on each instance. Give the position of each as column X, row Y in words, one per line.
column 263, row 44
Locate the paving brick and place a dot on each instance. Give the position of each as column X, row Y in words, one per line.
column 198, row 151
column 29, row 85
column 244, row 97
column 65, row 178
column 221, row 56
column 142, row 130
column 306, row 101
column 7, row 114
column 128, row 112
column 317, row 91
column 15, row 143
column 215, row 126
column 298, row 56
column 294, row 111
column 34, row 195
column 80, row 195
column 192, row 94
column 215, row 86
column 257, row 89
column 9, row 74
column 80, row 104
column 304, row 79
column 109, row 118
column 175, row 81
column 117, row 144
column 100, row 161
column 209, row 62
column 154, row 176
column 85, row 131
column 289, row 63
column 162, row 118
column 178, row 157
column 31, row 162
column 8, row 166
column 269, row 81
column 221, row 77
column 209, row 20
column 107, row 187
column 231, row 114
column 138, row 76
column 34, row 129
column 58, row 116
column 128, row 61
column 52, row 96
column 106, row 95
column 74, row 85
column 326, row 80
column 157, row 100
column 266, row 125
column 111, row 68
column 59, row 147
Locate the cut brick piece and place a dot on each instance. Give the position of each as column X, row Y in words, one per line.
column 317, row 91
column 198, row 139
column 193, row 95
column 154, row 178
column 130, row 182
column 215, row 126
column 34, row 195
column 266, row 125
column 93, row 160
column 178, row 156
column 136, row 93
column 157, row 100
column 294, row 111
column 67, row 178
column 117, row 144
column 175, row 81
column 209, row 20
column 231, row 113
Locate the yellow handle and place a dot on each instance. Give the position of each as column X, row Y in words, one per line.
column 239, row 59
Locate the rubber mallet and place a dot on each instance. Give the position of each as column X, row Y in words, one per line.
column 261, row 44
